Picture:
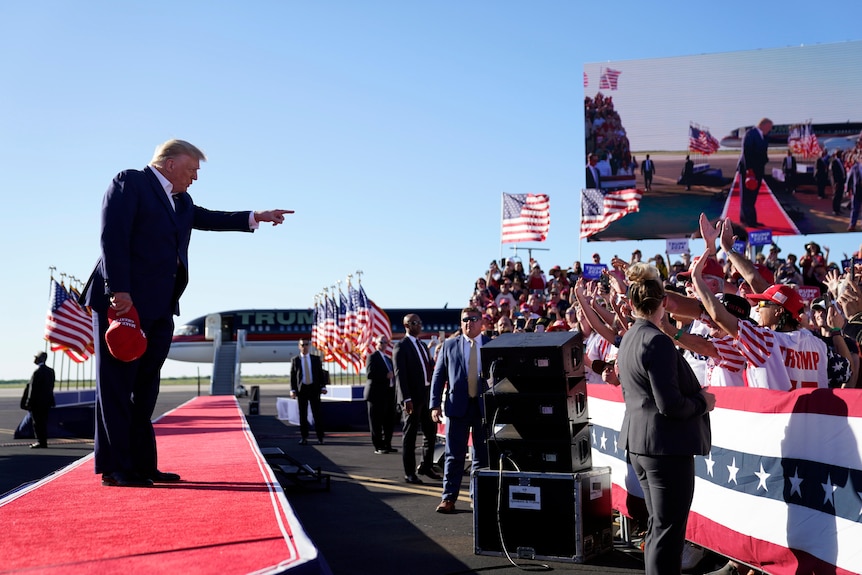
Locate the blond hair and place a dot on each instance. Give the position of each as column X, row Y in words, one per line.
column 174, row 148
column 646, row 291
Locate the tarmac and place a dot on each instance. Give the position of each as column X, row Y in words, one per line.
column 363, row 517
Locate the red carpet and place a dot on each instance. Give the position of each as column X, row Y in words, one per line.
column 227, row 515
column 769, row 211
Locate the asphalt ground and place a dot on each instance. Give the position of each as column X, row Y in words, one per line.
column 368, row 521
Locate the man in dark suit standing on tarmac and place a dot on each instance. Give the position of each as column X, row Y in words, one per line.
column 413, row 370
column 379, row 394
column 41, row 399
column 754, row 157
column 307, row 382
column 147, row 221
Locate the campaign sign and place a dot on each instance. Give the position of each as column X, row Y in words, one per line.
column 760, row 237
column 808, row 293
column 593, row 271
column 677, row 246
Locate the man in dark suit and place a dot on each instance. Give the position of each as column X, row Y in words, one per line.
column 788, row 168
column 648, row 170
column 594, row 178
column 147, row 220
column 754, row 158
column 379, row 394
column 41, row 399
column 837, row 176
column 413, row 370
column 307, row 382
column 821, row 173
column 457, row 374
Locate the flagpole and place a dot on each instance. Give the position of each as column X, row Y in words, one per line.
column 502, row 214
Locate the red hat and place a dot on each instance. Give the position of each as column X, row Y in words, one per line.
column 125, row 338
column 782, row 294
column 712, row 268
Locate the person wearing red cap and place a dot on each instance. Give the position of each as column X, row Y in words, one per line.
column 779, row 355
column 147, row 220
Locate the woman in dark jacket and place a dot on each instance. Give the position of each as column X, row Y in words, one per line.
column 666, row 421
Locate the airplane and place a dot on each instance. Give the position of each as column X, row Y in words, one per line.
column 849, row 132
column 271, row 335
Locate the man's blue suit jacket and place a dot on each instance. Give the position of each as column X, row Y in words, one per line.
column 145, row 244
column 451, row 368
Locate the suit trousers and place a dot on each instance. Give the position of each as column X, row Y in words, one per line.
column 837, row 196
column 40, row 423
column 419, row 420
column 126, row 394
column 668, row 485
column 309, row 395
column 381, row 419
column 458, row 432
column 748, row 200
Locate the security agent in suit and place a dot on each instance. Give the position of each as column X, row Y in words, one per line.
column 458, row 386
column 838, row 177
column 147, row 220
column 307, row 383
column 594, row 178
column 379, row 394
column 41, row 399
column 666, row 421
column 413, row 371
column 754, row 157
column 648, row 171
column 788, row 168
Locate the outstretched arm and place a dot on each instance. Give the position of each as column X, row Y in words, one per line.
column 274, row 216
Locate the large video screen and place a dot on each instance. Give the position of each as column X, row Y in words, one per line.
column 697, row 117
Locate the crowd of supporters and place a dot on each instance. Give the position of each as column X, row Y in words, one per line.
column 606, row 136
column 516, row 297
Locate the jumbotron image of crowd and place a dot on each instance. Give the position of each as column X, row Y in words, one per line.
column 758, row 300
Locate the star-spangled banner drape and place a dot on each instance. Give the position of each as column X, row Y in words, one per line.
column 526, row 218
column 700, row 140
column 781, row 488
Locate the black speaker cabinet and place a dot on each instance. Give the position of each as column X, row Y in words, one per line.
column 534, row 362
column 563, row 517
column 508, row 450
column 538, row 415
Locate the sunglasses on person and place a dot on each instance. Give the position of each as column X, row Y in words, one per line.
column 470, row 319
column 764, row 303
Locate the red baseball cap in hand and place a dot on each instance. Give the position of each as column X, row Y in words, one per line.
column 125, row 338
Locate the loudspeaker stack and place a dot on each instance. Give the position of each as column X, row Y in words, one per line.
column 536, row 417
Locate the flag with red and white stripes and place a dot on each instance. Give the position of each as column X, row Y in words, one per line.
column 526, row 218
column 609, row 80
column 600, row 208
column 68, row 326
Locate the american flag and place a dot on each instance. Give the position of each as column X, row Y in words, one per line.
column 700, row 140
column 781, row 487
column 599, row 208
column 802, row 141
column 609, row 79
column 526, row 218
column 68, row 326
column 346, row 344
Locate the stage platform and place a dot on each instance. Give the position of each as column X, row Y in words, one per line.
column 227, row 515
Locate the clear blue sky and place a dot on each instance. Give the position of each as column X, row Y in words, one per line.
column 392, row 128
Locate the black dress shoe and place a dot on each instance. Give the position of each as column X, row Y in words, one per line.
column 380, row 451
column 163, row 477
column 121, row 479
column 39, row 446
column 428, row 472
column 303, row 441
column 390, row 450
column 413, row 479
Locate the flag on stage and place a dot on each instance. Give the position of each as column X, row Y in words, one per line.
column 802, row 141
column 599, row 208
column 68, row 326
column 526, row 218
column 609, row 79
column 700, row 140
